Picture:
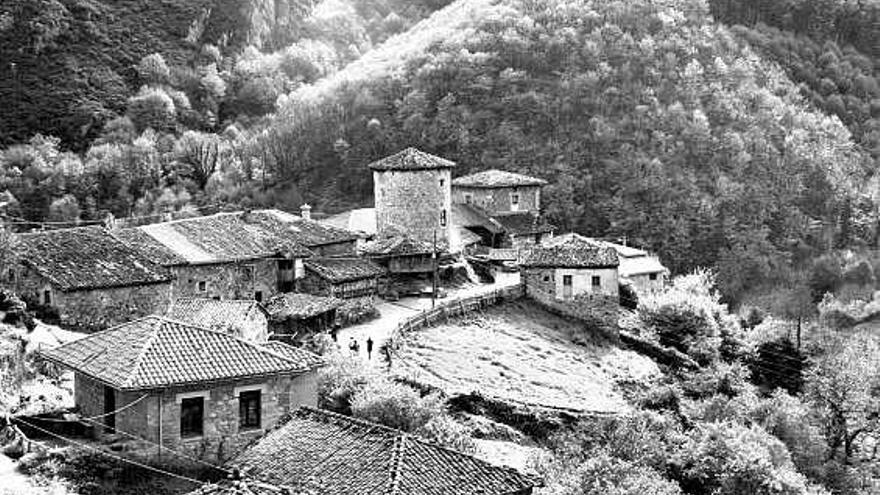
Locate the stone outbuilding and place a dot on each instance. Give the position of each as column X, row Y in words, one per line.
column 412, row 193
column 329, row 454
column 293, row 318
column 203, row 393
column 499, row 191
column 88, row 276
column 353, row 280
column 576, row 278
column 245, row 319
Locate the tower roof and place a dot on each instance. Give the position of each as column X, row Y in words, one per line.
column 411, row 159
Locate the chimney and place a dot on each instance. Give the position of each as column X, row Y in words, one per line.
column 306, row 211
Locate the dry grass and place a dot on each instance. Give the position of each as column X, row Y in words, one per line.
column 521, row 354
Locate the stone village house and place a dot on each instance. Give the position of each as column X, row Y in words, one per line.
column 240, row 255
column 197, row 391
column 245, row 319
column 89, row 277
column 576, row 278
column 353, row 280
column 331, row 454
column 295, row 317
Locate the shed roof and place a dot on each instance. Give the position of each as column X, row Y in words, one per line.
column 411, row 159
column 84, row 258
column 211, row 313
column 398, row 245
column 362, row 220
column 290, row 227
column 523, row 223
column 574, row 253
column 497, row 178
column 156, row 352
column 465, row 215
column 300, row 306
column 338, row 270
column 341, row 455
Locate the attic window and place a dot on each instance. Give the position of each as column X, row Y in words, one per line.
column 203, row 286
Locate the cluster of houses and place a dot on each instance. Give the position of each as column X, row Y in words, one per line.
column 198, row 319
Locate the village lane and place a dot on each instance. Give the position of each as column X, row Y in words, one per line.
column 394, row 312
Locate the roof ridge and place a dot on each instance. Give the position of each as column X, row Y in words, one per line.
column 397, row 462
column 140, row 359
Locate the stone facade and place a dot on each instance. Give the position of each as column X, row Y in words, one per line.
column 644, row 284
column 597, row 306
column 500, row 199
column 414, row 202
column 242, row 280
column 93, row 309
column 317, row 286
column 156, row 418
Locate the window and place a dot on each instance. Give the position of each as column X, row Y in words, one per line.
column 546, row 278
column 442, row 182
column 652, row 276
column 468, row 198
column 258, row 296
column 203, row 286
column 514, row 198
column 286, row 276
column 249, row 409
column 443, row 218
column 192, row 416
column 47, row 297
column 11, row 275
column 597, row 281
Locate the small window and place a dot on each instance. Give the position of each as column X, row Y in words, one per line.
column 546, row 278
column 443, row 218
column 258, row 296
column 514, row 198
column 192, row 417
column 203, row 286
column 11, row 275
column 442, row 182
column 652, row 276
column 249, row 404
column 47, row 297
column 597, row 281
column 566, row 280
column 468, row 198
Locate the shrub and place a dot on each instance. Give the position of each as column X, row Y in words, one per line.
column 395, row 405
column 153, row 70
column 340, row 380
column 445, row 431
column 152, row 108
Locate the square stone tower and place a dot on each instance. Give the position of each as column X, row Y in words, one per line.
column 412, row 192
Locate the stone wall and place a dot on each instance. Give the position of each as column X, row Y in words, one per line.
column 643, row 284
column 413, row 202
column 498, row 200
column 227, row 280
column 94, row 309
column 598, row 309
column 222, row 437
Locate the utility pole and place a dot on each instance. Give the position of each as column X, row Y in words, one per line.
column 435, row 269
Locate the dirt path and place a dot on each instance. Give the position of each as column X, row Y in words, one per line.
column 393, row 312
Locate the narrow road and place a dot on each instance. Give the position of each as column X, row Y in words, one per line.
column 393, row 312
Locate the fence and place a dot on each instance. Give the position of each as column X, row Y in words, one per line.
column 451, row 309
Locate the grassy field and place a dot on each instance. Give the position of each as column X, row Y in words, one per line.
column 519, row 353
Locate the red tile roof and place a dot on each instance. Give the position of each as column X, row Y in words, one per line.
column 155, row 352
column 399, row 245
column 294, row 353
column 340, row 455
column 523, row 223
column 497, row 178
column 87, row 258
column 212, row 313
column 299, row 306
column 411, row 159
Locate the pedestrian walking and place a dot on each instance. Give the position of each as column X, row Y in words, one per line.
column 369, row 348
column 353, row 346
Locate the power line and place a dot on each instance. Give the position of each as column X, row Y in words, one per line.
column 113, row 456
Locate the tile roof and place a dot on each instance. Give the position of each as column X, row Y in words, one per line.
column 87, row 258
column 310, row 233
column 523, row 223
column 340, row 455
column 311, row 359
column 361, row 220
column 148, row 246
column 223, row 315
column 411, row 159
column 633, row 261
column 343, row 269
column 465, row 215
column 300, row 306
column 221, row 238
column 497, row 178
column 398, row 245
column 573, row 253
column 155, row 352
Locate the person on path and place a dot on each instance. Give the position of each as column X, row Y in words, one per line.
column 369, row 348
column 353, row 346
